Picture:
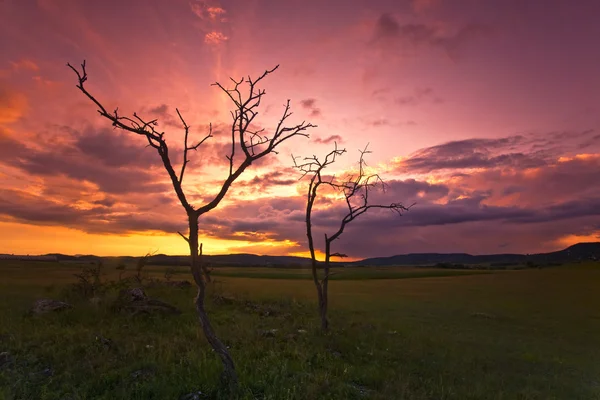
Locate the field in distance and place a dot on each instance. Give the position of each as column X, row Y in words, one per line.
column 525, row 334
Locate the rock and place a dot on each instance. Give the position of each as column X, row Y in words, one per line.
column 483, row 315
column 96, row 300
column 179, row 284
column 193, row 396
column 135, row 301
column 222, row 300
column 135, row 294
column 362, row 390
column 41, row 375
column 144, row 373
column 269, row 332
column 268, row 312
column 43, row 306
column 335, row 353
column 5, row 359
column 104, row 341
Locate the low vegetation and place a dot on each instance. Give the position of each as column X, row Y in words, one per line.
column 525, row 334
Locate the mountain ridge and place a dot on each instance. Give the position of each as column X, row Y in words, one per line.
column 577, row 252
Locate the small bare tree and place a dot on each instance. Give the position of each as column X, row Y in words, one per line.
column 356, row 189
column 253, row 144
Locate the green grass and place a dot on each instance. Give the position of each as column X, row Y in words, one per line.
column 338, row 274
column 530, row 334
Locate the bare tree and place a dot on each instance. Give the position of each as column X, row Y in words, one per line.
column 254, row 144
column 356, row 189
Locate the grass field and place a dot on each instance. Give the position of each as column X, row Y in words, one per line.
column 528, row 334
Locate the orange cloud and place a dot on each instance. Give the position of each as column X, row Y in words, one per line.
column 215, row 12
column 206, row 12
column 569, row 240
column 25, row 65
column 215, row 38
column 46, row 82
column 12, row 105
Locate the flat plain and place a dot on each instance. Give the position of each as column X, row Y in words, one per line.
column 396, row 333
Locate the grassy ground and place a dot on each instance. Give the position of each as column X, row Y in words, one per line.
column 530, row 334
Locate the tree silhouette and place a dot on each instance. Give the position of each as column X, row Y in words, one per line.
column 254, row 144
column 355, row 189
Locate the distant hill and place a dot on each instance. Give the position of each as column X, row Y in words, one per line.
column 227, row 259
column 577, row 252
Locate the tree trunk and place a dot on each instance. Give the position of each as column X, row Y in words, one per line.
column 230, row 378
column 325, row 288
column 323, row 308
column 229, row 374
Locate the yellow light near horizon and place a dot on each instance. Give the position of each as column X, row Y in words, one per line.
column 18, row 238
column 583, row 156
column 570, row 240
column 321, row 256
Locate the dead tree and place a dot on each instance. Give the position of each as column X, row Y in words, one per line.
column 247, row 145
column 355, row 189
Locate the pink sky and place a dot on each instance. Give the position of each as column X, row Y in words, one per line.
column 485, row 113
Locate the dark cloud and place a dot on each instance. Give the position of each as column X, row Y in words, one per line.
column 114, row 148
column 329, row 139
column 164, row 116
column 519, row 151
column 311, row 106
column 380, row 122
column 387, row 26
column 160, row 110
column 103, row 157
column 418, row 96
column 424, row 162
column 389, row 33
column 282, row 177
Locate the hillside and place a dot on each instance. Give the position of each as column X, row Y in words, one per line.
column 577, row 252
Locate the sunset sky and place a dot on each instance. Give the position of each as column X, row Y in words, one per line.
column 486, row 113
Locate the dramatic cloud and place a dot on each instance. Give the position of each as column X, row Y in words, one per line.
column 105, row 219
column 519, row 151
column 105, row 158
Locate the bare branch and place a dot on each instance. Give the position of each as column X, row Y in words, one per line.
column 254, row 142
column 184, row 237
column 340, row 255
column 186, row 147
column 138, row 126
